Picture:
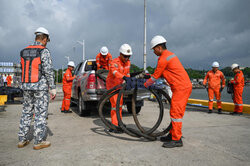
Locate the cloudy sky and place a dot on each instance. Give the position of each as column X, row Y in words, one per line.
column 198, row 32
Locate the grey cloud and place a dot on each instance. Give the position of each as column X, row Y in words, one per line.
column 199, row 32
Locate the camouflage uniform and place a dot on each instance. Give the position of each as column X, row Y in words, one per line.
column 36, row 100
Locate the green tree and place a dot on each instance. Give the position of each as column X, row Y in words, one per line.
column 134, row 68
column 246, row 72
column 195, row 74
column 227, row 72
column 150, row 69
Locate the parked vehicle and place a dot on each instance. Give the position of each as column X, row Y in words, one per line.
column 12, row 93
column 162, row 84
column 87, row 89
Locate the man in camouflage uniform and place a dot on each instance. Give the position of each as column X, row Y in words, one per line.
column 37, row 84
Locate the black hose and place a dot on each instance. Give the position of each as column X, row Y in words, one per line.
column 105, row 97
column 129, row 131
column 157, row 124
column 150, row 131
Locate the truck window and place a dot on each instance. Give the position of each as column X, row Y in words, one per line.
column 77, row 69
column 90, row 65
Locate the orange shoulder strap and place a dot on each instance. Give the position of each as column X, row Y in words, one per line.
column 36, row 46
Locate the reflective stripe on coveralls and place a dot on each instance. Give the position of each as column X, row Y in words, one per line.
column 172, row 70
column 211, row 93
column 176, row 120
column 103, row 61
column 117, row 71
column 214, row 80
column 67, row 85
column 238, row 84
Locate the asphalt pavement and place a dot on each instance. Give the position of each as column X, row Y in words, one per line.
column 209, row 139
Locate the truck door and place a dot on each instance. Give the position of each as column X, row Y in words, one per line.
column 75, row 81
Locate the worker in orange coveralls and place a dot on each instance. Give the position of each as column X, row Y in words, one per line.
column 171, row 69
column 9, row 79
column 67, row 85
column 103, row 59
column 119, row 71
column 238, row 84
column 214, row 78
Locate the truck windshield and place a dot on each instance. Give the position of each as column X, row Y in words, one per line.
column 90, row 65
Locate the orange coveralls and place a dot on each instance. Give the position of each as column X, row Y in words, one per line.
column 9, row 79
column 117, row 71
column 214, row 85
column 238, row 83
column 103, row 62
column 172, row 70
column 67, row 85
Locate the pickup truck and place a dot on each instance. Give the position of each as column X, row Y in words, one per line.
column 87, row 90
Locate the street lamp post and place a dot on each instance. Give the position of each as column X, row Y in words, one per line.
column 144, row 46
column 67, row 58
column 62, row 72
column 83, row 48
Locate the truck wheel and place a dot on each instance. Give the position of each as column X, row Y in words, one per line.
column 72, row 103
column 129, row 107
column 82, row 107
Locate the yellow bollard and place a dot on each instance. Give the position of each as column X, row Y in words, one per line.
column 3, row 99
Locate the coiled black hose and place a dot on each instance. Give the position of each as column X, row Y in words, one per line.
column 150, row 131
column 148, row 134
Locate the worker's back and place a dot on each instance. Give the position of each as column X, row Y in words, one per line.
column 172, row 70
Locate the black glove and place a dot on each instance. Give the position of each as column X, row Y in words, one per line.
column 135, row 73
column 221, row 89
column 147, row 76
column 127, row 79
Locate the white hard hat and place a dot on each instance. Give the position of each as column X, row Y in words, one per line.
column 215, row 64
column 104, row 50
column 234, row 66
column 125, row 49
column 71, row 63
column 41, row 30
column 157, row 40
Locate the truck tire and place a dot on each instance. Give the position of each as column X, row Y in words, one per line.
column 82, row 107
column 72, row 102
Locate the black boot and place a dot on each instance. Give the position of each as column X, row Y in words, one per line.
column 117, row 131
column 236, row 113
column 166, row 138
column 209, row 111
column 67, row 111
column 219, row 111
column 173, row 144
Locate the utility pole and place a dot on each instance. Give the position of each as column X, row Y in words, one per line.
column 145, row 39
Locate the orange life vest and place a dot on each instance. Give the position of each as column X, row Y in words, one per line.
column 31, row 63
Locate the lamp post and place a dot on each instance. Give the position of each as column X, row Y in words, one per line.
column 62, row 72
column 144, row 45
column 83, row 48
column 67, row 58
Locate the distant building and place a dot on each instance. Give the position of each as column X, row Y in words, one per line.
column 13, row 69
